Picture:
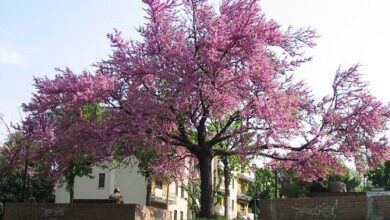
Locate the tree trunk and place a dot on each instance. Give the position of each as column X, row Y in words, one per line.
column 71, row 195
column 226, row 175
column 25, row 176
column 71, row 189
column 206, row 187
column 148, row 190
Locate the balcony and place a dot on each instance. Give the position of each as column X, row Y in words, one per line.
column 220, row 210
column 247, row 176
column 159, row 197
column 220, row 165
column 221, row 188
column 245, row 215
column 241, row 196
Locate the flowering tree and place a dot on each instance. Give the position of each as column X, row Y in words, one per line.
column 194, row 67
column 11, row 151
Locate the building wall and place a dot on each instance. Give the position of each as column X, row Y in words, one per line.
column 181, row 203
column 87, row 188
column 132, row 186
column 234, row 187
column 133, row 190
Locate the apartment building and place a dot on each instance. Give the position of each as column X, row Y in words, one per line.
column 133, row 189
column 238, row 203
column 164, row 194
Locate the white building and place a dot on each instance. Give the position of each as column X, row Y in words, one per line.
column 133, row 189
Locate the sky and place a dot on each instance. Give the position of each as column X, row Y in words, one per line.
column 38, row 36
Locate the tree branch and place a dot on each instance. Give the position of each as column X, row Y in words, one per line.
column 217, row 138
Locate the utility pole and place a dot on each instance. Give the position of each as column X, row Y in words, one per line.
column 25, row 175
column 255, row 203
column 276, row 184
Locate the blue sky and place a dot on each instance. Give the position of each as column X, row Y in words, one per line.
column 37, row 36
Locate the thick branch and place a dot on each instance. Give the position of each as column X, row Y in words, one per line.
column 217, row 138
column 221, row 152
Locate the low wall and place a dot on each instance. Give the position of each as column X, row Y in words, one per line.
column 18, row 211
column 322, row 208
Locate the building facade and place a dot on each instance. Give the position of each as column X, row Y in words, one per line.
column 164, row 194
column 238, row 203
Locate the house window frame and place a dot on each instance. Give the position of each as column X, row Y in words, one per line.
column 182, row 192
column 158, row 184
column 101, row 180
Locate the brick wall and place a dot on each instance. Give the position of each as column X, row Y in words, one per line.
column 83, row 211
column 322, row 208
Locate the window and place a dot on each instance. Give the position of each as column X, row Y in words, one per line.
column 232, row 205
column 182, row 192
column 158, row 184
column 102, row 177
column 233, row 184
column 177, row 189
column 181, row 215
column 215, row 176
column 175, row 215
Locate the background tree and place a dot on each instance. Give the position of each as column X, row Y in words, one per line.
column 265, row 184
column 196, row 66
column 292, row 185
column 352, row 180
column 79, row 167
column 380, row 176
column 39, row 188
column 22, row 179
column 145, row 158
column 11, row 151
column 193, row 196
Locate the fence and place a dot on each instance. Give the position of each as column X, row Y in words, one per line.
column 354, row 206
column 82, row 211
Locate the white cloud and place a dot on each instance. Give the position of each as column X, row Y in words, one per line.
column 10, row 56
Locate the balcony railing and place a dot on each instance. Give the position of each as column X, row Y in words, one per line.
column 221, row 188
column 220, row 210
column 245, row 215
column 172, row 198
column 248, row 176
column 158, row 196
column 243, row 197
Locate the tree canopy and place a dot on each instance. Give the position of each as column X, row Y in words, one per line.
column 196, row 66
column 380, row 176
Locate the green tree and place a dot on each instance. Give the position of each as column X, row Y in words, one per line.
column 193, row 195
column 145, row 158
column 79, row 167
column 264, row 183
column 352, row 180
column 291, row 185
column 39, row 188
column 35, row 186
column 380, row 176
